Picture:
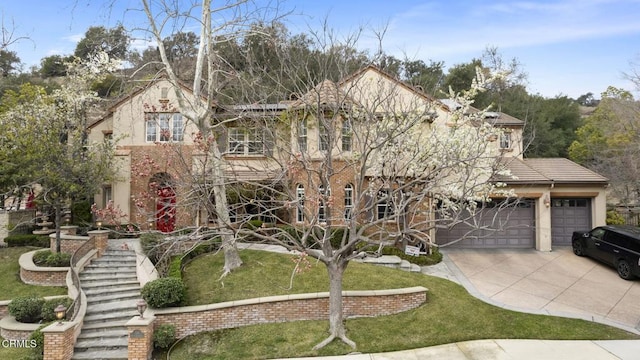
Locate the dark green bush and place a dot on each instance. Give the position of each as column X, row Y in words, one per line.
column 164, row 336
column 27, row 309
column 422, row 260
column 47, row 312
column 27, row 240
column 253, row 224
column 51, row 259
column 204, row 248
column 164, row 292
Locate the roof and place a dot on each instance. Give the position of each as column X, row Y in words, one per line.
column 325, row 93
column 496, row 118
column 550, row 171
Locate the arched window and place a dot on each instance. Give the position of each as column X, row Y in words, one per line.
column 348, row 201
column 300, row 199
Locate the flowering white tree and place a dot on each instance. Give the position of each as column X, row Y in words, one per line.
column 44, row 138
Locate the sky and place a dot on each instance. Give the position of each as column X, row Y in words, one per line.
column 566, row 47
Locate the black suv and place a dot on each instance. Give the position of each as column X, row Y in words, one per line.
column 618, row 246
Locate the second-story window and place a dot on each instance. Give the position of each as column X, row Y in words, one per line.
column 302, row 135
column 164, row 127
column 347, row 136
column 323, row 136
column 243, row 141
column 505, row 140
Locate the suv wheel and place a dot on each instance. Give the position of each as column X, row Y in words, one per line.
column 624, row 270
column 578, row 249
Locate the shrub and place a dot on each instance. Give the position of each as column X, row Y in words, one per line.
column 164, row 292
column 163, row 336
column 47, row 312
column 150, row 243
column 37, row 352
column 26, row 309
column 27, row 240
column 204, row 248
column 614, row 218
column 422, row 260
column 51, row 259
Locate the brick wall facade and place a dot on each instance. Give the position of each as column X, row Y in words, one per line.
column 59, row 341
column 195, row 319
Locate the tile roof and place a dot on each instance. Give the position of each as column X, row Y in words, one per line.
column 550, row 170
column 325, row 93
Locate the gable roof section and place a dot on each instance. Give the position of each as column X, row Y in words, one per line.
column 550, row 171
column 133, row 93
column 323, row 94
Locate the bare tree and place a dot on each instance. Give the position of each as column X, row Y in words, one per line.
column 339, row 166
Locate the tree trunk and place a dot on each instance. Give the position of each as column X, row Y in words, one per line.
column 336, row 268
column 232, row 259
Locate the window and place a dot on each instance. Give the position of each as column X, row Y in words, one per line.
column 385, row 204
column 322, row 208
column 164, row 127
column 346, row 136
column 505, row 140
column 302, row 135
column 323, row 135
column 107, row 194
column 245, row 141
column 348, row 201
column 300, row 199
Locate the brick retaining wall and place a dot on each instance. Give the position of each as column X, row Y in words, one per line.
column 275, row 309
column 39, row 275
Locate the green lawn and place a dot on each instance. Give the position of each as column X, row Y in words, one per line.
column 450, row 314
column 11, row 286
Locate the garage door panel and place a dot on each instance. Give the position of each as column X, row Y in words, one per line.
column 510, row 227
column 569, row 215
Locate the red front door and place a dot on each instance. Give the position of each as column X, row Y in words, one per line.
column 166, row 210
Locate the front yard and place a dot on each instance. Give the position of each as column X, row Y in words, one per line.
column 450, row 314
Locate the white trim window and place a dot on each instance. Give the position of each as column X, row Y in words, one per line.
column 302, row 135
column 384, row 207
column 300, row 203
column 164, row 127
column 323, row 135
column 322, row 206
column 505, row 140
column 347, row 136
column 348, row 201
column 246, row 141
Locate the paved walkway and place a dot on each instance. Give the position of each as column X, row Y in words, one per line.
column 551, row 283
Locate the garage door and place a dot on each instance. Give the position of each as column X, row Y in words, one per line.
column 567, row 216
column 495, row 227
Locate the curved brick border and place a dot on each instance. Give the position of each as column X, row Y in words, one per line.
column 275, row 309
column 10, row 329
column 39, row 275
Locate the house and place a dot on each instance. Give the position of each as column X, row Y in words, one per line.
column 263, row 145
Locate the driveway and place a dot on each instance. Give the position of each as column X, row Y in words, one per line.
column 556, row 283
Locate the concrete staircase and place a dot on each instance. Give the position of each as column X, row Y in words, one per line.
column 112, row 289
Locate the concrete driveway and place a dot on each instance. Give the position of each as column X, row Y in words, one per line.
column 556, row 283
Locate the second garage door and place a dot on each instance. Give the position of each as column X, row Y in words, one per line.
column 569, row 215
column 496, row 227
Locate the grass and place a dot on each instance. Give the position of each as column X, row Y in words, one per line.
column 450, row 314
column 12, row 352
column 11, row 286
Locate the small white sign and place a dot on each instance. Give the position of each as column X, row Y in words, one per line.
column 412, row 250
